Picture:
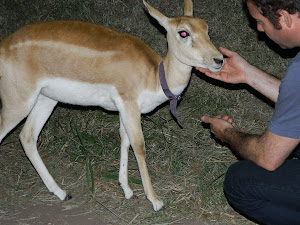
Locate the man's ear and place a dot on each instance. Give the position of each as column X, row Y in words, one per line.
column 286, row 18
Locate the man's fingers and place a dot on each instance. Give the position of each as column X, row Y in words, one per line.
column 205, row 119
column 225, row 118
column 208, row 119
column 226, row 52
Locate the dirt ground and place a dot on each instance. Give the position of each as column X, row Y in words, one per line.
column 56, row 214
column 51, row 214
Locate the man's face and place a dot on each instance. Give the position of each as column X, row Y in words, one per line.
column 264, row 25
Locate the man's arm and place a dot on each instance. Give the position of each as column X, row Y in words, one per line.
column 263, row 82
column 237, row 70
column 267, row 150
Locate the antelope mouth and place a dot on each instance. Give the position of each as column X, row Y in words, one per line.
column 215, row 69
column 218, row 64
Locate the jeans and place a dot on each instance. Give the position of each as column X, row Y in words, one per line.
column 263, row 196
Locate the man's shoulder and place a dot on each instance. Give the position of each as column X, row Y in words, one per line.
column 295, row 61
column 293, row 70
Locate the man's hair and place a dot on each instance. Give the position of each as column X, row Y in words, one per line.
column 270, row 9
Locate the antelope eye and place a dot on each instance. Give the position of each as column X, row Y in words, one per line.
column 183, row 34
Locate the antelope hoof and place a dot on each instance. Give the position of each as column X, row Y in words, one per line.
column 127, row 191
column 62, row 195
column 129, row 194
column 158, row 206
column 68, row 197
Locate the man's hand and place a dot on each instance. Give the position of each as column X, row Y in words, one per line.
column 237, row 70
column 218, row 125
column 233, row 71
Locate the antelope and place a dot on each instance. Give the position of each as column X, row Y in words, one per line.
column 86, row 64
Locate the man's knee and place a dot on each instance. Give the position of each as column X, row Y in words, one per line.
column 262, row 195
column 240, row 182
column 233, row 179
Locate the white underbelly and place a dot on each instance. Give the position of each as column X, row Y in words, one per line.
column 78, row 93
column 103, row 95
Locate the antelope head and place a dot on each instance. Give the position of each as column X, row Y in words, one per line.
column 188, row 39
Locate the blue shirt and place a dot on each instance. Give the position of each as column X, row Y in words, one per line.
column 286, row 118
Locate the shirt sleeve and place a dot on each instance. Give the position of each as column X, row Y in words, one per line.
column 286, row 118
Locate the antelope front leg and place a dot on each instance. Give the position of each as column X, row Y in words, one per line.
column 123, row 173
column 131, row 120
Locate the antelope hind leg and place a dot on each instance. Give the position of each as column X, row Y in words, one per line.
column 29, row 135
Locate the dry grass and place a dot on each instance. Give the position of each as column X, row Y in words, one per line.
column 187, row 165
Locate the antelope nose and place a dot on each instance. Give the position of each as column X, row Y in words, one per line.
column 218, row 61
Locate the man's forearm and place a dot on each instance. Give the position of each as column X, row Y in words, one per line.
column 241, row 143
column 264, row 83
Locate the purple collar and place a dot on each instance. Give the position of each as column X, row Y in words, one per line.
column 172, row 98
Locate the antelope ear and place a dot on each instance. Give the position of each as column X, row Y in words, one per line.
column 161, row 19
column 188, row 7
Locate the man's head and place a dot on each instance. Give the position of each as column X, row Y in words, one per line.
column 271, row 9
column 278, row 19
